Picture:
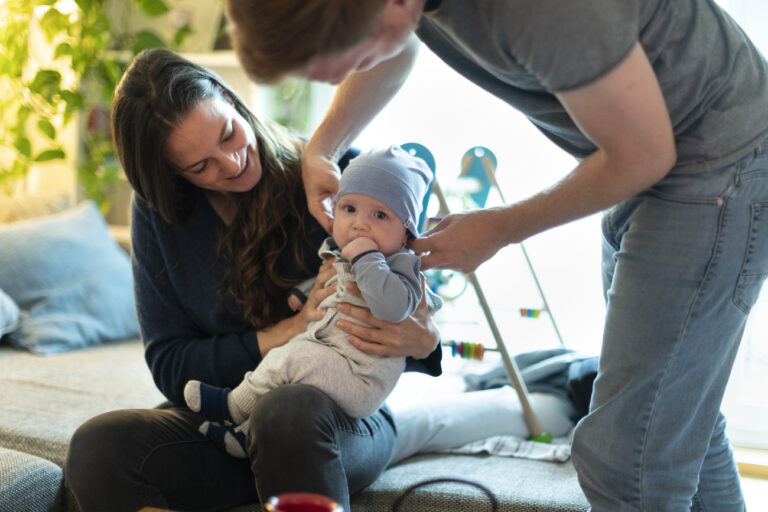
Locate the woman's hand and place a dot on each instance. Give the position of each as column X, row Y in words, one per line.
column 280, row 333
column 416, row 336
column 321, row 183
column 311, row 312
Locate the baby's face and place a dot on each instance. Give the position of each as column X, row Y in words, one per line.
column 358, row 215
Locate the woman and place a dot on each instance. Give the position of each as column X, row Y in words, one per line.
column 220, row 232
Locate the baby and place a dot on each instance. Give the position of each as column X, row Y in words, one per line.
column 377, row 209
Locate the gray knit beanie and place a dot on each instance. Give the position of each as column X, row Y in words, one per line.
column 392, row 176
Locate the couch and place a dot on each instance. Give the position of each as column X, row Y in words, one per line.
column 46, row 397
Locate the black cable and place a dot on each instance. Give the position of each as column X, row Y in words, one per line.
column 409, row 490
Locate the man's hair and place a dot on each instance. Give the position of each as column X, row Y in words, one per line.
column 273, row 38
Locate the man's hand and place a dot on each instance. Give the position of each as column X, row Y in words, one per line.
column 321, row 183
column 461, row 241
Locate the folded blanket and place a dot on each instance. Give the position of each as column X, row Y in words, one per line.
column 559, row 450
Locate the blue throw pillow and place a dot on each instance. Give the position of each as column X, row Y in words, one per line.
column 70, row 279
column 9, row 314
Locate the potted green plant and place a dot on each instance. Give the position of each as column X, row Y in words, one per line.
column 60, row 61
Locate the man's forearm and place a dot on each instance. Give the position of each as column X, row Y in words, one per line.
column 358, row 101
column 596, row 184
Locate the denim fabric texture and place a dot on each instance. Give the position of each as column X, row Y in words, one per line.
column 683, row 263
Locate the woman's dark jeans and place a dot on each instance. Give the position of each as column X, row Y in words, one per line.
column 299, row 441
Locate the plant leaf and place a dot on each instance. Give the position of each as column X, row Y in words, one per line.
column 22, row 114
column 46, row 83
column 23, row 146
column 53, row 23
column 182, row 34
column 153, row 7
column 62, row 49
column 47, row 128
column 73, row 99
column 84, row 5
column 147, row 39
column 111, row 70
column 50, row 154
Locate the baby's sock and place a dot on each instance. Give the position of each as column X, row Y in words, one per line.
column 212, row 402
column 229, row 439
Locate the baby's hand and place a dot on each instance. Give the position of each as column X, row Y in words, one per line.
column 295, row 303
column 358, row 246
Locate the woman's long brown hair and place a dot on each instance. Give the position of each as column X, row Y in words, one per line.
column 267, row 230
column 263, row 249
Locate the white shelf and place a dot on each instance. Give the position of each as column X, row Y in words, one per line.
column 221, row 59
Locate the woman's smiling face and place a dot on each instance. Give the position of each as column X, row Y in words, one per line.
column 214, row 148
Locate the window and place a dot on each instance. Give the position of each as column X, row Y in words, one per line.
column 449, row 115
column 746, row 404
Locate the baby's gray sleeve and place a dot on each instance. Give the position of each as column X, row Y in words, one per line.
column 391, row 287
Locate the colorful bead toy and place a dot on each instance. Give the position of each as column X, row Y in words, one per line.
column 468, row 350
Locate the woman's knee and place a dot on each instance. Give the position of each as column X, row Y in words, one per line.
column 97, row 448
column 291, row 414
column 91, row 443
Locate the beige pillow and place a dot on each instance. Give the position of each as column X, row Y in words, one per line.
column 13, row 209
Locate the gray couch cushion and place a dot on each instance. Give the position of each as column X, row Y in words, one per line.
column 520, row 485
column 28, row 483
column 46, row 398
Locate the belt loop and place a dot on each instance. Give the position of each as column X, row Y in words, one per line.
column 761, row 148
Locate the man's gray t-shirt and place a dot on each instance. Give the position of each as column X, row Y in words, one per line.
column 714, row 81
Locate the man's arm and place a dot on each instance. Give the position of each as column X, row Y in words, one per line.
column 625, row 115
column 358, row 100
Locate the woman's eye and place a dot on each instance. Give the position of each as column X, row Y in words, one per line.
column 199, row 169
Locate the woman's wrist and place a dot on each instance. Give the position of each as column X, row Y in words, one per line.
column 279, row 334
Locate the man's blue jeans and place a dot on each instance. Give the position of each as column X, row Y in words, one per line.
column 683, row 263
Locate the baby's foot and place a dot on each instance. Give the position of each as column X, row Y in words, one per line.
column 210, row 401
column 229, row 439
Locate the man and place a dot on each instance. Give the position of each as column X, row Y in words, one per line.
column 665, row 105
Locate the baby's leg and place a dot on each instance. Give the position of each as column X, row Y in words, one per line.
column 234, row 406
column 212, row 402
column 308, row 362
column 216, row 405
column 230, row 439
